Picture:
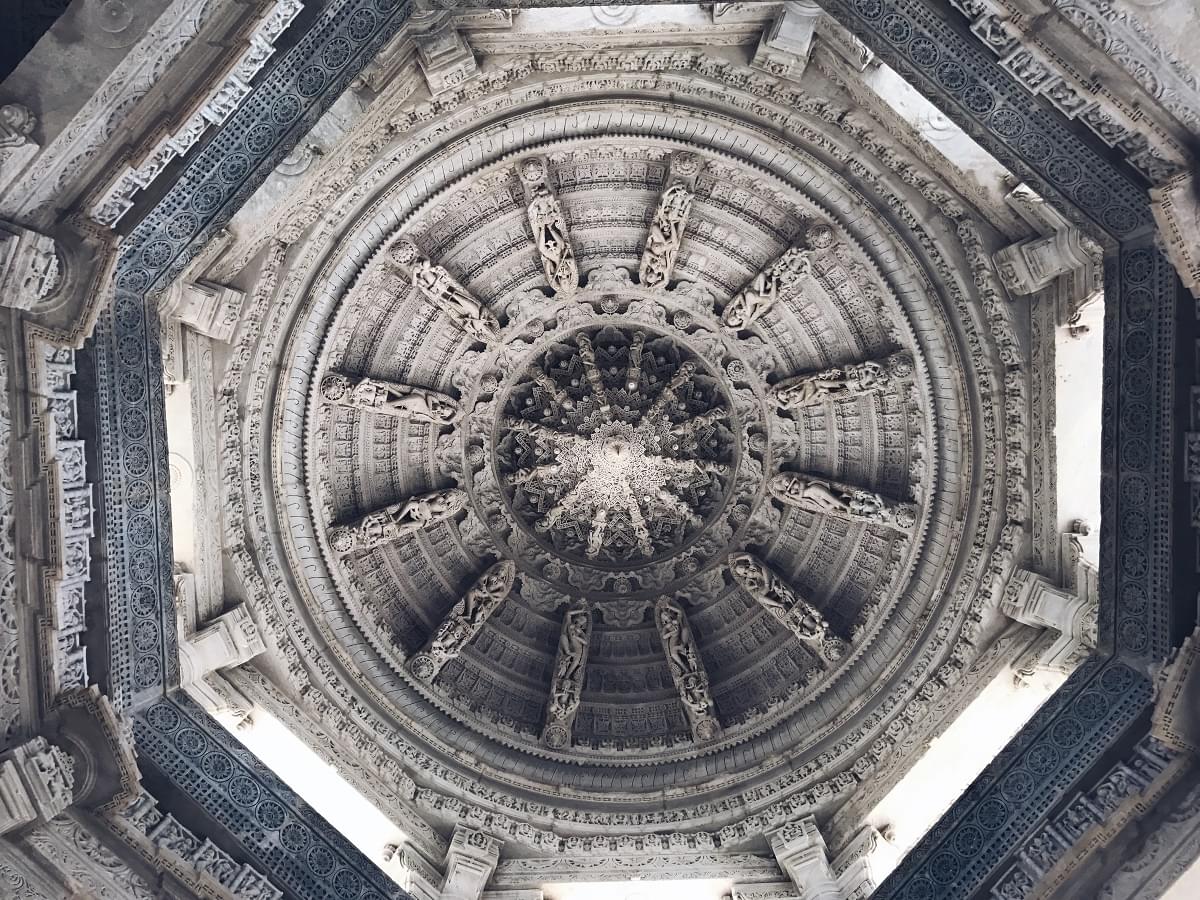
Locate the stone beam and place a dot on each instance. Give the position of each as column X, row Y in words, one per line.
column 397, row 520
column 797, row 615
column 687, row 670
column 465, row 619
column 849, row 380
column 835, row 498
column 670, row 219
column 550, row 234
column 566, row 682
column 802, row 855
column 786, row 41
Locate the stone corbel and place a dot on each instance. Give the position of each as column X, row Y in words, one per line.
column 205, row 307
column 1032, row 600
column 803, row 856
column 865, row 862
column 1176, row 208
column 1062, row 259
column 786, row 42
column 446, row 59
column 229, row 640
column 30, row 266
column 412, row 871
column 470, row 862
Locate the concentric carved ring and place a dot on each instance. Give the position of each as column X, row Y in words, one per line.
column 614, row 446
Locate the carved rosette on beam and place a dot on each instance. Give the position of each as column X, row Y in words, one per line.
column 395, row 521
column 843, row 381
column 465, row 619
column 390, row 398
column 440, row 288
column 550, row 234
column 687, row 669
column 755, row 299
column 666, row 228
column 797, row 615
column 566, row 684
column 836, row 499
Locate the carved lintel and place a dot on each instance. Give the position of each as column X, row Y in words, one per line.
column 470, row 862
column 390, row 398
column 687, row 670
column 797, row 615
column 843, row 381
column 753, row 301
column 37, row 782
column 396, row 520
column 837, row 499
column 566, row 682
column 464, row 620
column 550, row 234
column 441, row 289
column 670, row 218
column 30, row 268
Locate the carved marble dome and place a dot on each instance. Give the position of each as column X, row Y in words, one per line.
column 628, row 461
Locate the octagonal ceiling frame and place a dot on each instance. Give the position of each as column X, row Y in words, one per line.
column 1061, row 160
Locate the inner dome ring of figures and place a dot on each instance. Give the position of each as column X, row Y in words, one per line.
column 770, row 616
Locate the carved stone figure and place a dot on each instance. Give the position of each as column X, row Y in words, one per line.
column 552, row 241
column 687, row 669
column 391, row 398
column 666, row 234
column 752, row 302
column 841, row 381
column 440, row 288
column 823, row 495
column 16, row 124
column 775, row 596
column 398, row 519
column 464, row 620
column 566, row 685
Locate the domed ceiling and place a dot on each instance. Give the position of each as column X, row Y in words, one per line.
column 630, row 460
